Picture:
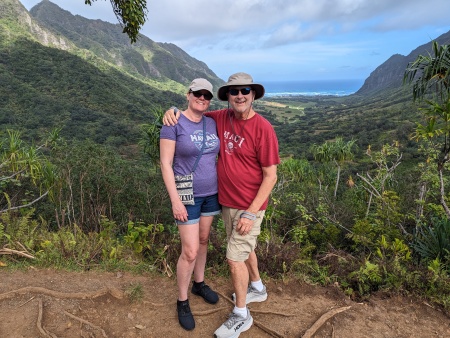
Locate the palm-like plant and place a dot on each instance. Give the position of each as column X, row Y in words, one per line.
column 433, row 241
column 150, row 138
column 430, row 76
column 21, row 165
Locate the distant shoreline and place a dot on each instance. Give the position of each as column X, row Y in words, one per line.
column 312, row 88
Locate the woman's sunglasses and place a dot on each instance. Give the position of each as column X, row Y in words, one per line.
column 206, row 96
column 244, row 91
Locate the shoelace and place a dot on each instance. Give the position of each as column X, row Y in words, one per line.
column 185, row 308
column 232, row 319
column 203, row 289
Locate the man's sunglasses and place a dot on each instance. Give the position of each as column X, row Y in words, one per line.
column 244, row 91
column 198, row 94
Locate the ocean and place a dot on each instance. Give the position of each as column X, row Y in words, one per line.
column 312, row 88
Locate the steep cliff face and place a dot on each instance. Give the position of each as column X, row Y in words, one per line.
column 16, row 22
column 101, row 42
column 387, row 75
column 146, row 58
column 390, row 73
column 10, row 9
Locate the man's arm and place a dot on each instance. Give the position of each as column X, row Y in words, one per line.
column 171, row 116
column 269, row 179
column 267, row 184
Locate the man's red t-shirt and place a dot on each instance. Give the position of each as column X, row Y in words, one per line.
column 245, row 147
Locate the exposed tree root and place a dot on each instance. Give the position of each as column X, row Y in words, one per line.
column 272, row 313
column 119, row 294
column 84, row 321
column 41, row 329
column 208, row 312
column 316, row 326
column 76, row 295
column 225, row 297
column 267, row 330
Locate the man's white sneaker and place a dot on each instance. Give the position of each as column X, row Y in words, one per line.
column 253, row 295
column 234, row 326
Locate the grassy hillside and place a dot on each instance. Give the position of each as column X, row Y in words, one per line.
column 42, row 88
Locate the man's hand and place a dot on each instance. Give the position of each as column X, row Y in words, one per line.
column 171, row 117
column 244, row 226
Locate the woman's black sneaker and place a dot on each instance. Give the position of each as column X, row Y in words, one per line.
column 185, row 315
column 203, row 290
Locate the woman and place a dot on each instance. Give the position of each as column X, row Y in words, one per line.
column 180, row 147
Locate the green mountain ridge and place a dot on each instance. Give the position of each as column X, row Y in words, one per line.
column 148, row 59
column 61, row 70
column 390, row 73
column 54, row 73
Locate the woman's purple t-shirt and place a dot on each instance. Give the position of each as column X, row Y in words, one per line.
column 189, row 137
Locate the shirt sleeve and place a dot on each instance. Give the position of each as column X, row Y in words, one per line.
column 168, row 132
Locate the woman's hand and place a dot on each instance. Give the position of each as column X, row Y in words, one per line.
column 179, row 211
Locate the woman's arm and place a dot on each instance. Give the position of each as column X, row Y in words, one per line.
column 167, row 152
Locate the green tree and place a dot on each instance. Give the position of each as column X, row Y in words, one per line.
column 131, row 14
column 337, row 151
column 430, row 76
column 383, row 215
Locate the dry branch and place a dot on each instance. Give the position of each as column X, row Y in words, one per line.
column 313, row 329
column 76, row 295
column 7, row 251
column 29, row 300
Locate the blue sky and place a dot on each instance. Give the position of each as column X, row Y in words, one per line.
column 286, row 39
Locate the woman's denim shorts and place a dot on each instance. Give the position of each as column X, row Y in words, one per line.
column 204, row 206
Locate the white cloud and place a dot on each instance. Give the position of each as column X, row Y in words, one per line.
column 289, row 37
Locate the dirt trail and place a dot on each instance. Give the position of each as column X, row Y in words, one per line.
column 290, row 310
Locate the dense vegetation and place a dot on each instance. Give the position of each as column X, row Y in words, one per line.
column 367, row 230
column 360, row 199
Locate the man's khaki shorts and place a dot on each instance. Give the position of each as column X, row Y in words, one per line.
column 239, row 247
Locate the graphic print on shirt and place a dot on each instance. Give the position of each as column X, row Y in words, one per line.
column 232, row 142
column 211, row 142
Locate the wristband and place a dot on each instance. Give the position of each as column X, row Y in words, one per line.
column 175, row 109
column 248, row 215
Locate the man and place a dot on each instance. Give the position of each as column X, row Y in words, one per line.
column 247, row 173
